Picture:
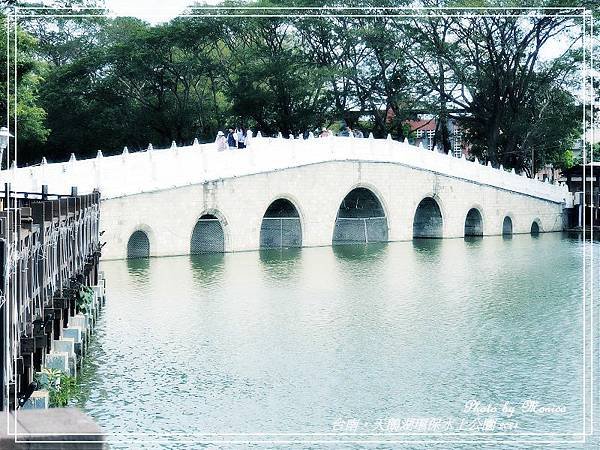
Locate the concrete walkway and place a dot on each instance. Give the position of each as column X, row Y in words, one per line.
column 55, row 428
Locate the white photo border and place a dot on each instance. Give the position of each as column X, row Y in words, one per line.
column 407, row 12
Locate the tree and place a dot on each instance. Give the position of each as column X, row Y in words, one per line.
column 268, row 80
column 168, row 72
column 30, row 116
column 105, row 83
column 136, row 84
column 508, row 96
column 430, row 52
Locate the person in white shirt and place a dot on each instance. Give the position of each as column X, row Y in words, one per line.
column 241, row 137
column 221, row 141
column 248, row 137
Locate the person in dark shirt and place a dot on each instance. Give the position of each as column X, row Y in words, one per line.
column 241, row 137
column 231, row 141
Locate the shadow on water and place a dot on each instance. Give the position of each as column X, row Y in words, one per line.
column 275, row 256
column 206, row 267
column 578, row 235
column 280, row 263
column 87, row 376
column 427, row 246
column 360, row 252
column 473, row 241
column 139, row 268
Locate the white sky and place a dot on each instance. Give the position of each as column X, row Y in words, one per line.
column 157, row 11
column 153, row 11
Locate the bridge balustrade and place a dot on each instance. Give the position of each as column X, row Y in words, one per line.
column 153, row 169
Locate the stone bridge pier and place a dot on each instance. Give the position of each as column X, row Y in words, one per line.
column 411, row 204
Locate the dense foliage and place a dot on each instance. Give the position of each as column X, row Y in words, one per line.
column 89, row 83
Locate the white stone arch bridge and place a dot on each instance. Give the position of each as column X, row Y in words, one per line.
column 311, row 192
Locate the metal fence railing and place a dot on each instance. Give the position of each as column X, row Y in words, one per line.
column 280, row 232
column 138, row 245
column 48, row 245
column 350, row 230
column 207, row 237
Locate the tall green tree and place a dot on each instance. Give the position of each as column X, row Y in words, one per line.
column 269, row 82
column 103, row 83
column 30, row 116
column 168, row 73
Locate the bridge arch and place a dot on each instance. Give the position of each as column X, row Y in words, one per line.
column 281, row 224
column 536, row 227
column 428, row 220
column 507, row 225
column 209, row 233
column 139, row 242
column 361, row 217
column 474, row 222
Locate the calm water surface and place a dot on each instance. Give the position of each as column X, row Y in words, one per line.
column 302, row 341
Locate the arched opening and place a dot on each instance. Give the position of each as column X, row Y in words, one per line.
column 208, row 236
column 138, row 245
column 535, row 228
column 428, row 221
column 474, row 223
column 360, row 219
column 507, row 226
column 281, row 227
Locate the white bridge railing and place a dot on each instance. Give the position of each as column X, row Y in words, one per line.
column 153, row 169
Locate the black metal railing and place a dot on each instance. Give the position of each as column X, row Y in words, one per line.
column 48, row 243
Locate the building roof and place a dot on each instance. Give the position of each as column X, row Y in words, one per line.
column 424, row 125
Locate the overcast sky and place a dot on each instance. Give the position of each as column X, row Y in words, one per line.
column 154, row 11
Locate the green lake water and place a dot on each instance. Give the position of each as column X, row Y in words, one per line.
column 359, row 340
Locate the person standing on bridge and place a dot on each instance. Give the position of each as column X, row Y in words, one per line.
column 248, row 137
column 325, row 133
column 231, row 138
column 241, row 137
column 221, row 141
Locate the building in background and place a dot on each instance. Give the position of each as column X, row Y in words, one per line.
column 586, row 194
column 424, row 133
column 554, row 174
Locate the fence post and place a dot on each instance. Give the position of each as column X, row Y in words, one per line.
column 2, row 312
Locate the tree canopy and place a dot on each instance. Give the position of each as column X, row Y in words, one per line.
column 89, row 83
